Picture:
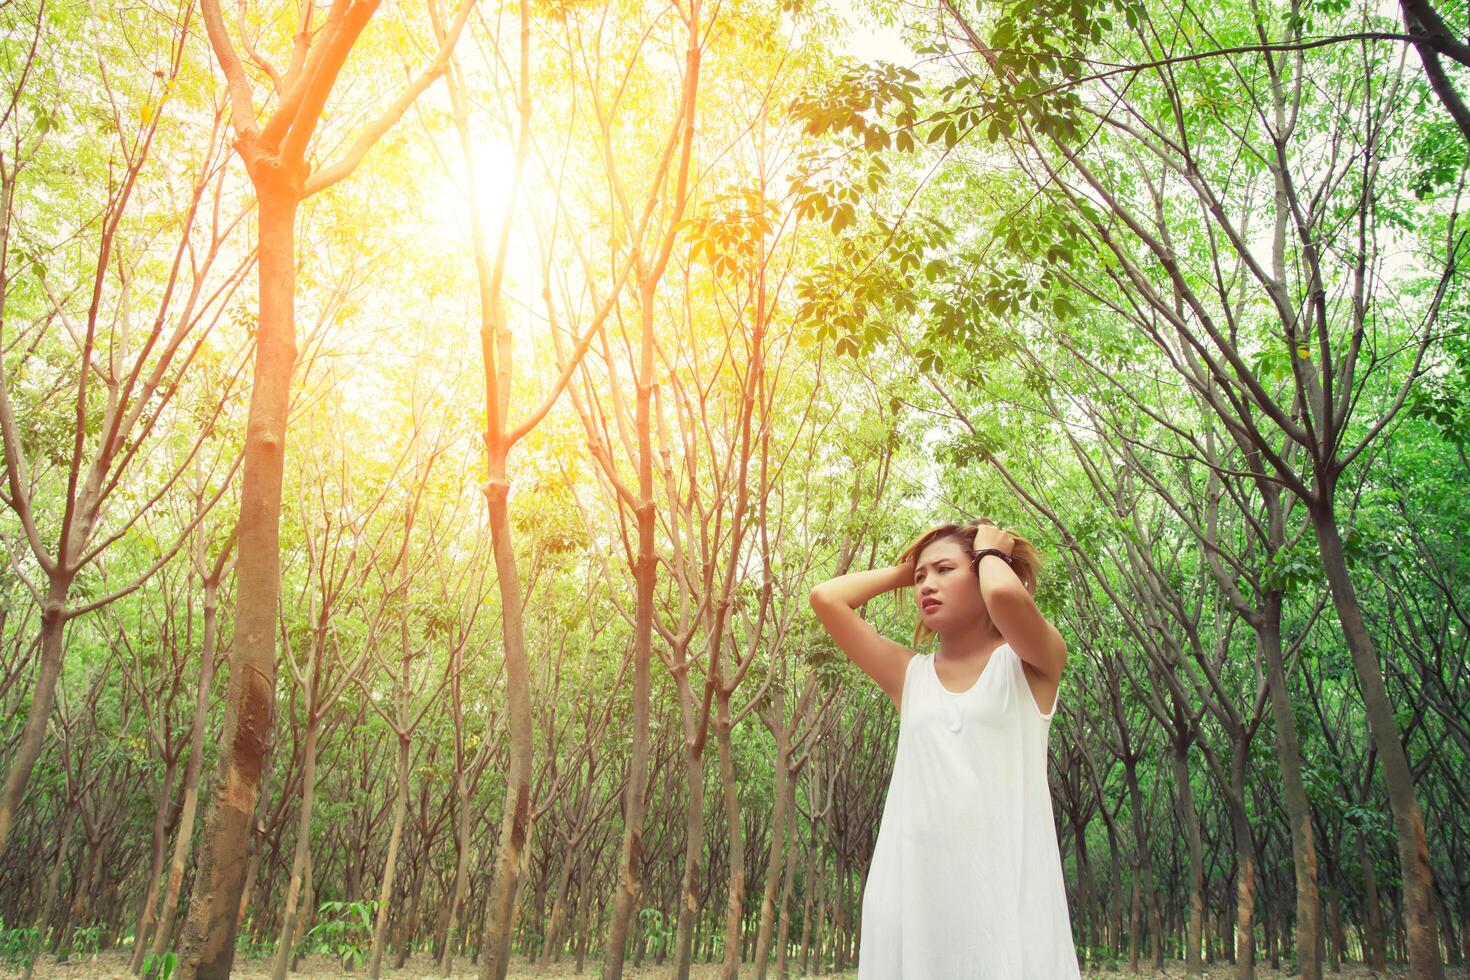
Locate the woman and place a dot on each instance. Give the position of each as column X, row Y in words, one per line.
column 966, row 879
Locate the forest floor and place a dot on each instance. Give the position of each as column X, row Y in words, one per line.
column 115, row 964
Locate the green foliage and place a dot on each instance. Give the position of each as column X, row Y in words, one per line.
column 252, row 947
column 876, row 104
column 84, row 940
column 160, row 966
column 990, row 308
column 660, row 929
column 18, row 946
column 344, row 931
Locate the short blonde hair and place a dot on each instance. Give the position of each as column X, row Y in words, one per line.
column 1025, row 559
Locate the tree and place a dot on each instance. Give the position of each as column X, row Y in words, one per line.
column 276, row 159
column 123, row 383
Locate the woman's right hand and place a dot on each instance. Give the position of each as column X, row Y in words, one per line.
column 903, row 574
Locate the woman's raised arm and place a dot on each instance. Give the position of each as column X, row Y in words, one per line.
column 836, row 601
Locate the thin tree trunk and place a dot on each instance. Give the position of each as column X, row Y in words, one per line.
column 303, row 919
column 551, row 948
column 776, row 863
column 1334, row 925
column 385, row 893
column 291, row 918
column 1374, row 953
column 1245, row 866
column 248, row 889
column 1115, row 888
column 811, row 925
column 584, row 900
column 1145, row 870
column 143, row 925
column 690, row 879
column 461, row 870
column 43, row 697
column 1194, row 936
column 783, row 941
column 1298, row 809
column 629, row 886
column 53, row 881
column 735, row 839
column 184, row 835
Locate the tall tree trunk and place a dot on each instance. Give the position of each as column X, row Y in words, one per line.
column 629, row 887
column 385, row 893
column 515, row 818
column 209, row 934
column 1420, row 927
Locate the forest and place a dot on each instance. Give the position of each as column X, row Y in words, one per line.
column 424, row 424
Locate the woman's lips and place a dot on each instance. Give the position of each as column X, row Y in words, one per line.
column 929, row 605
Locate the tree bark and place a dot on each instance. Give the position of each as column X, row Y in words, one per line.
column 390, row 868
column 1298, row 809
column 630, row 887
column 776, row 863
column 43, row 697
column 1245, row 865
column 291, row 918
column 144, row 923
column 184, row 835
column 1147, row 887
column 1420, row 928
column 735, row 840
column 209, row 934
column 690, row 879
column 1194, row 937
column 1374, row 953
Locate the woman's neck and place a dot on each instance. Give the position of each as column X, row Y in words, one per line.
column 974, row 643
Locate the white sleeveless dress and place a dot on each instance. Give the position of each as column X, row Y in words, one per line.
column 966, row 880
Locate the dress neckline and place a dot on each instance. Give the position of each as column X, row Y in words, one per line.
column 933, row 666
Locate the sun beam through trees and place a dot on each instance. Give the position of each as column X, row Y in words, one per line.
column 423, row 425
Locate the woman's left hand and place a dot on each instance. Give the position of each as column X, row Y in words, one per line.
column 990, row 536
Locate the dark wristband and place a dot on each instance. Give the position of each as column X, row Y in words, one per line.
column 979, row 555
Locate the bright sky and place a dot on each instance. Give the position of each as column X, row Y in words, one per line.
column 868, row 40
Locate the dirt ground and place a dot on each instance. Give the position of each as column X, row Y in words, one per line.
column 115, row 964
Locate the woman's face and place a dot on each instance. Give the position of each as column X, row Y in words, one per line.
column 946, row 588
